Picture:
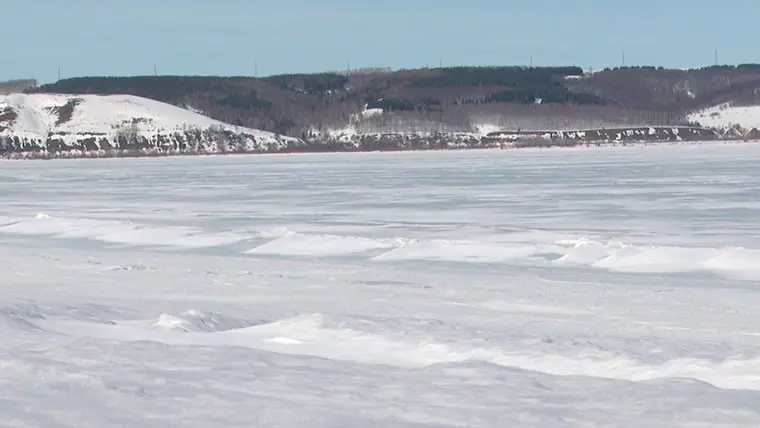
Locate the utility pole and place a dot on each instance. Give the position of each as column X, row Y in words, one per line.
column 255, row 69
column 155, row 70
column 59, row 72
column 623, row 59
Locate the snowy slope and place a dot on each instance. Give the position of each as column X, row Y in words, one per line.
column 725, row 116
column 35, row 119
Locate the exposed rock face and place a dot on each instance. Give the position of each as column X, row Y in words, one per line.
column 185, row 142
column 634, row 134
column 350, row 141
column 395, row 141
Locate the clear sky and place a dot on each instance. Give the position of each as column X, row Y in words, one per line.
column 241, row 37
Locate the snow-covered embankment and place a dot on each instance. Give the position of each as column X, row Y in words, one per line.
column 33, row 125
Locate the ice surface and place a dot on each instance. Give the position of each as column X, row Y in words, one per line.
column 547, row 288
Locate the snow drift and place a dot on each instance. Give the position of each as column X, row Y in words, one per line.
column 74, row 124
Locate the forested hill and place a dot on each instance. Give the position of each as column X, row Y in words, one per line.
column 453, row 99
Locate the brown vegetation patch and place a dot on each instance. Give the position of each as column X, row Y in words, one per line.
column 66, row 111
column 7, row 117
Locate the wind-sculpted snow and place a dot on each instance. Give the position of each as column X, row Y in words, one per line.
column 546, row 288
column 728, row 261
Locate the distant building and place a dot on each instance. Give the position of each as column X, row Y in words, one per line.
column 17, row 86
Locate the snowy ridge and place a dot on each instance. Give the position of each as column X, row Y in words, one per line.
column 725, row 116
column 77, row 123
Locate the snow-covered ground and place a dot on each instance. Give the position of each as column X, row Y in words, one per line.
column 546, row 288
column 71, row 118
column 725, row 116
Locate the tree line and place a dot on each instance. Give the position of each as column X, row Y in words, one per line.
column 297, row 103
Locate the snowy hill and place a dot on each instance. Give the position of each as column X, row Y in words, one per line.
column 74, row 124
column 725, row 116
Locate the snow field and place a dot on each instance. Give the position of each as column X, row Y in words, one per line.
column 551, row 288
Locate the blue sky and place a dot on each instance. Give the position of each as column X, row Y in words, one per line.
column 238, row 37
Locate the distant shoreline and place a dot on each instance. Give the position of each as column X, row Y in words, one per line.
column 138, row 154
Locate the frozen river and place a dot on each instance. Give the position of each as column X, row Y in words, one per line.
column 554, row 288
